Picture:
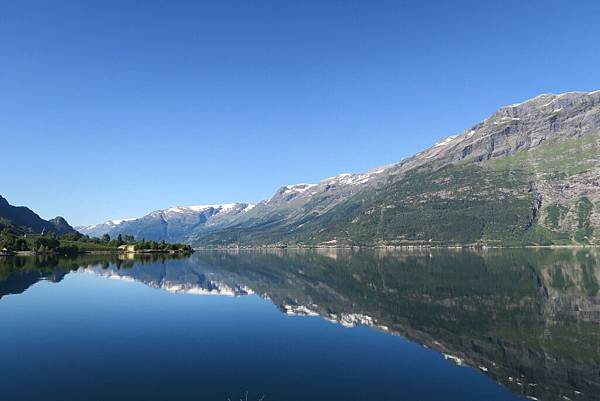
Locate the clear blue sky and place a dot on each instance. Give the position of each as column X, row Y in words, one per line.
column 117, row 108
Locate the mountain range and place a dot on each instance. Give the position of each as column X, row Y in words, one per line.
column 181, row 223
column 528, row 174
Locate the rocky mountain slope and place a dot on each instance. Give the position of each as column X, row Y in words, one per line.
column 20, row 219
column 528, row 174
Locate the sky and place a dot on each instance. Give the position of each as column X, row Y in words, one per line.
column 113, row 109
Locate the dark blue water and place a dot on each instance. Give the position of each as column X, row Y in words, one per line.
column 89, row 337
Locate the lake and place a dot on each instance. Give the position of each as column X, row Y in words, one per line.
column 303, row 325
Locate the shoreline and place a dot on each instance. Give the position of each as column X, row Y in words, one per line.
column 116, row 252
column 303, row 247
column 392, row 247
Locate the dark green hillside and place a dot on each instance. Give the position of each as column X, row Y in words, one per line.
column 454, row 205
column 21, row 219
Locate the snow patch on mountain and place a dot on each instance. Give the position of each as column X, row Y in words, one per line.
column 119, row 221
column 445, row 141
column 300, row 188
column 353, row 179
column 200, row 208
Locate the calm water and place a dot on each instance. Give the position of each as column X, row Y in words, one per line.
column 336, row 325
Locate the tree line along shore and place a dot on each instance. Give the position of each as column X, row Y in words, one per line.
column 75, row 243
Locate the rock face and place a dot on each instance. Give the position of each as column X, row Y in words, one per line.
column 528, row 174
column 21, row 219
column 181, row 223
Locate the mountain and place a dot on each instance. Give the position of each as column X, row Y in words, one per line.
column 98, row 230
column 21, row 219
column 180, row 223
column 527, row 175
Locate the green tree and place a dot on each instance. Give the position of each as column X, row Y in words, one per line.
column 43, row 244
column 7, row 240
column 21, row 245
column 72, row 236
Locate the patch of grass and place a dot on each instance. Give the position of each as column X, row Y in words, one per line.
column 87, row 246
column 584, row 211
column 555, row 213
column 585, row 231
column 540, row 235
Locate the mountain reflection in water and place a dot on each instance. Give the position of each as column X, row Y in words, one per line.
column 529, row 319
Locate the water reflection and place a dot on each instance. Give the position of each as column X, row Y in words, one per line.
column 527, row 318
